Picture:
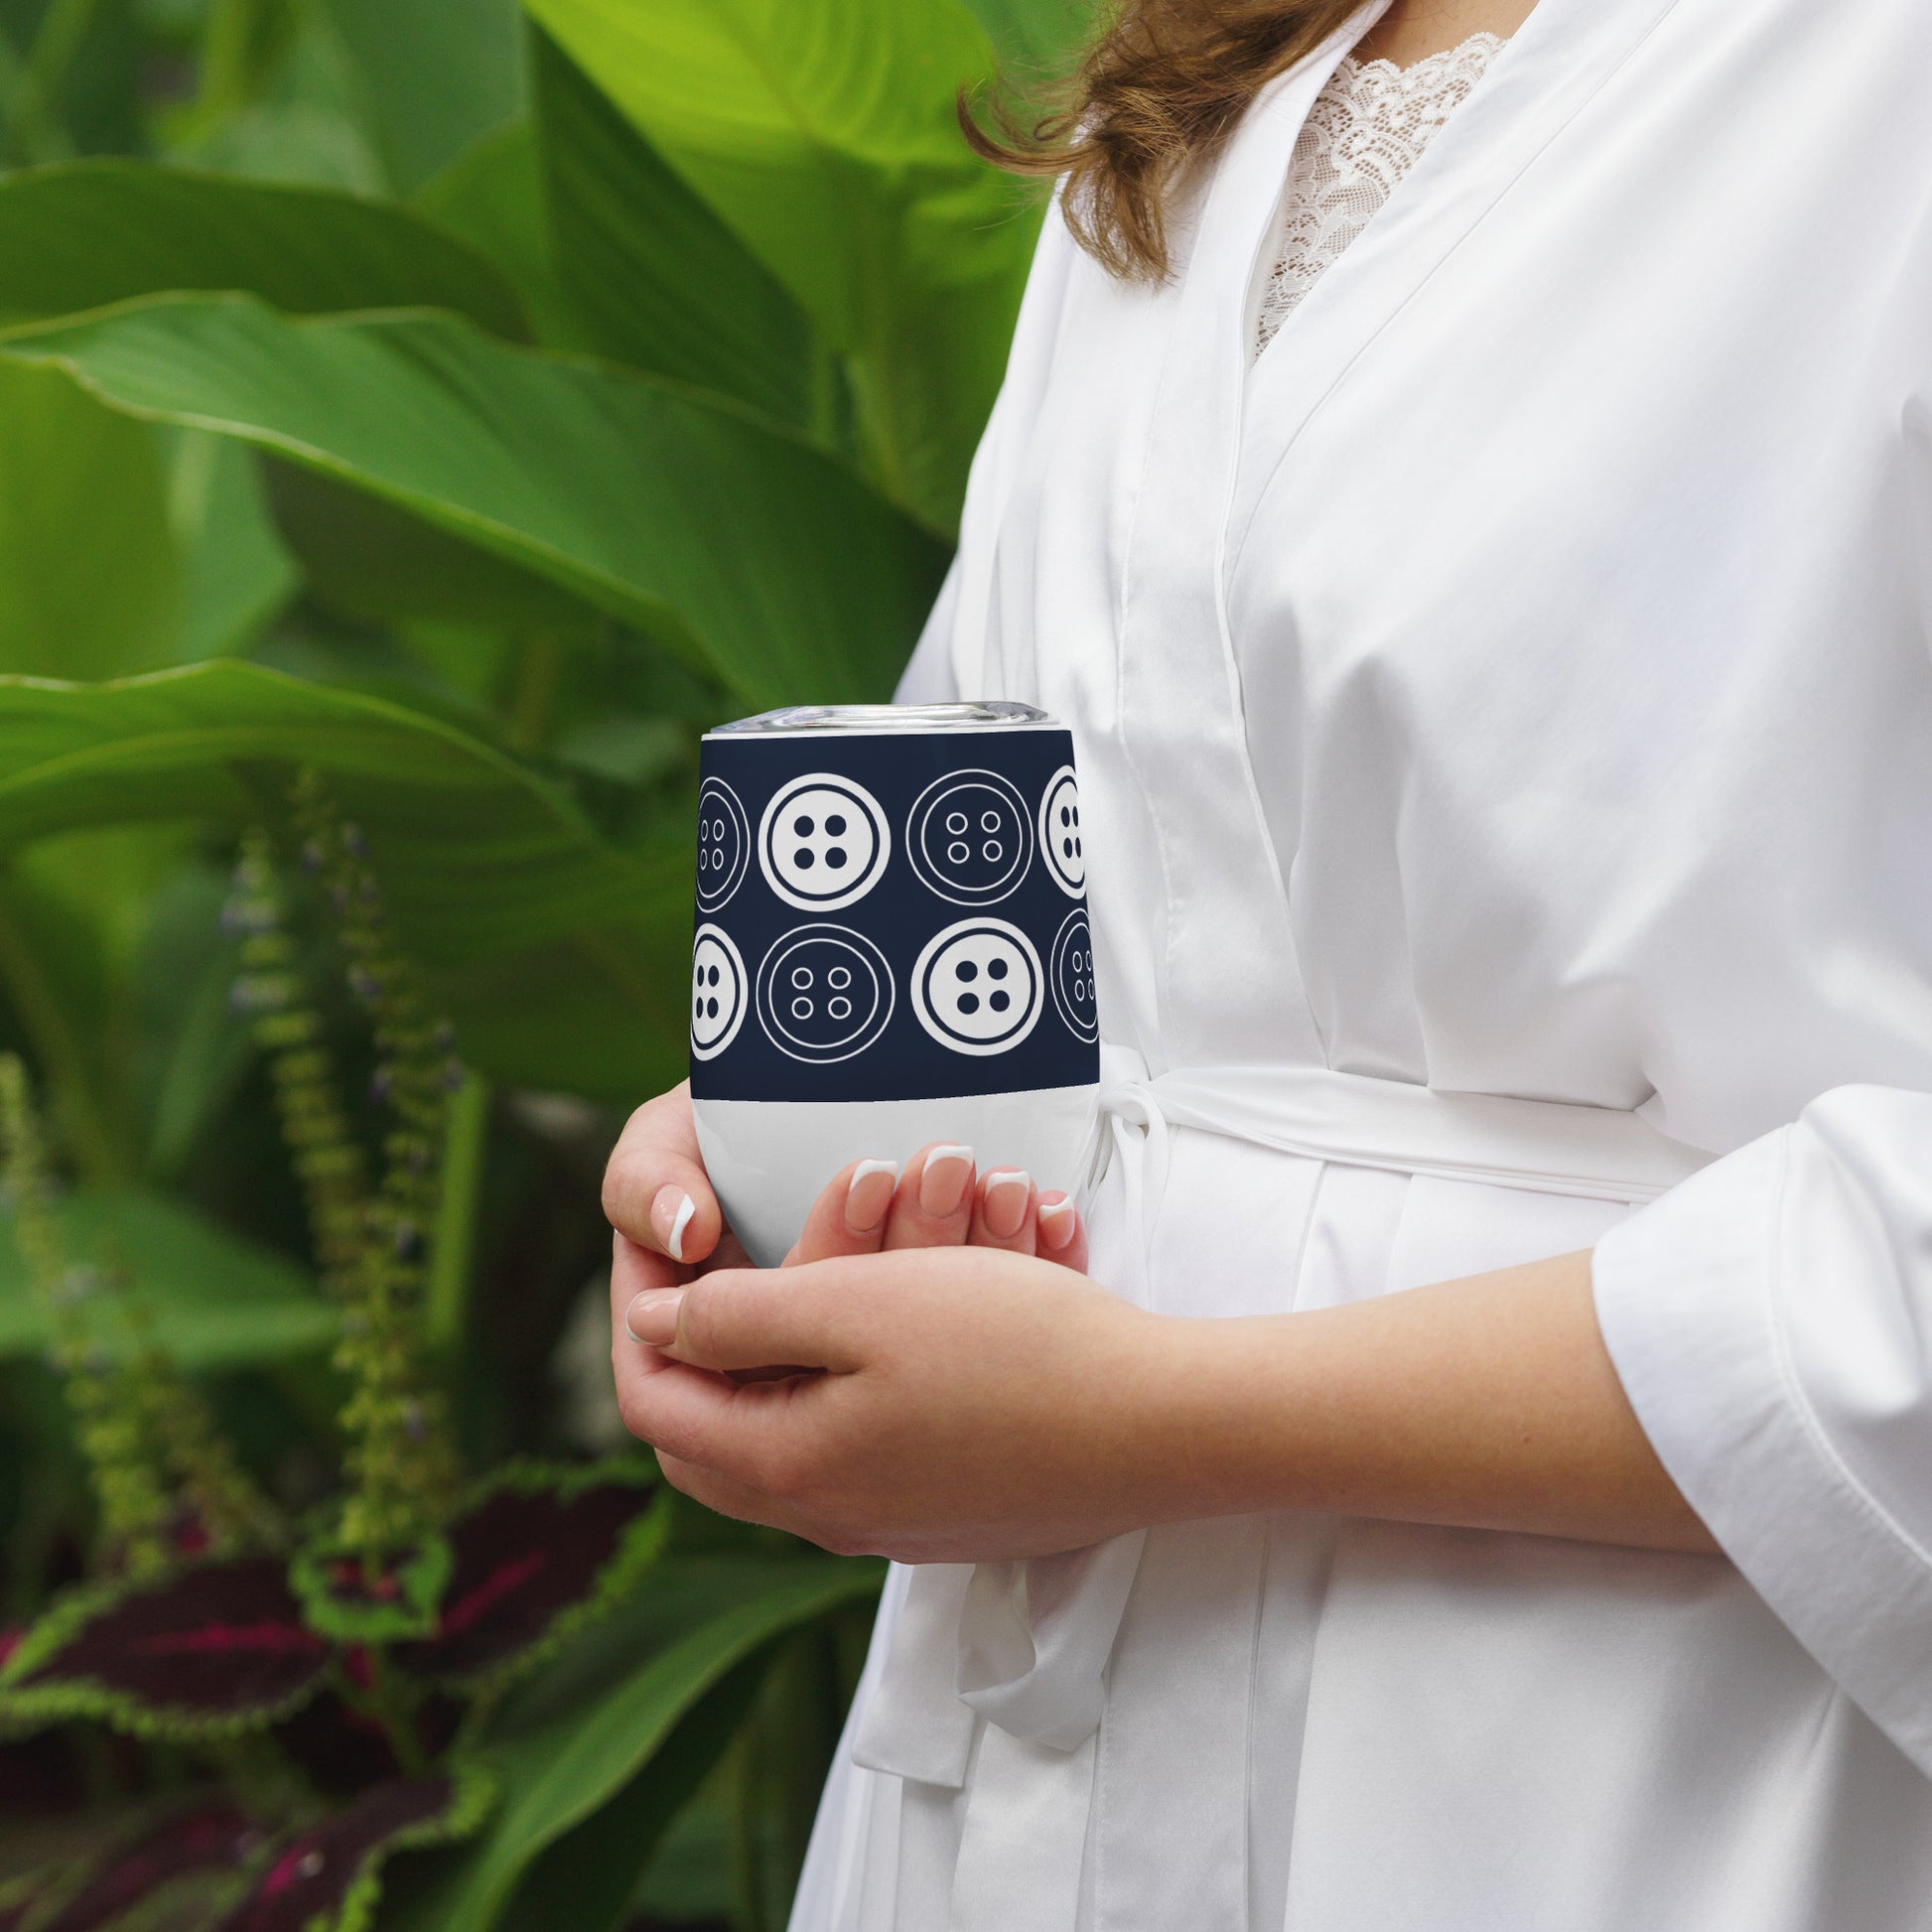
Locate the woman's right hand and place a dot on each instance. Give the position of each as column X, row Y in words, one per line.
column 669, row 1228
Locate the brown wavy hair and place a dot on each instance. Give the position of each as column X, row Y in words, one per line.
column 1157, row 94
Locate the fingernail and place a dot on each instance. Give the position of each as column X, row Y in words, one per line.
column 1057, row 1220
column 652, row 1316
column 942, row 1186
column 1007, row 1195
column 670, row 1215
column 868, row 1193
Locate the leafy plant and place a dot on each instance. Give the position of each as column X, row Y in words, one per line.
column 419, row 421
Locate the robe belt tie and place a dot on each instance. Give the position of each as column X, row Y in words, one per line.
column 1026, row 1645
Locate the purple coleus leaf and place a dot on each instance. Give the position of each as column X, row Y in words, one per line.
column 536, row 1553
column 217, row 1648
column 206, row 1842
column 326, row 1877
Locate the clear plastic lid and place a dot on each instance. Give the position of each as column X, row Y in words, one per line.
column 802, row 719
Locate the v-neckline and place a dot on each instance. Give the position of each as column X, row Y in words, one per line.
column 1220, row 425
column 1269, row 262
column 1563, row 55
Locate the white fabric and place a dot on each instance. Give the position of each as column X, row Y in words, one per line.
column 1367, row 128
column 1516, row 682
column 1026, row 1645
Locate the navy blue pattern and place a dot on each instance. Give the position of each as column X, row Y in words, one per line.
column 892, row 915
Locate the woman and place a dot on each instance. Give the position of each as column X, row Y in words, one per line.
column 1505, row 712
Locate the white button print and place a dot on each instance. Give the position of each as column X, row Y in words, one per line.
column 823, row 842
column 976, row 988
column 718, row 993
column 1070, row 976
column 970, row 838
column 1061, row 835
column 724, row 844
column 824, row 993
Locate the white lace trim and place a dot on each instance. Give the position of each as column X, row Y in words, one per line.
column 1366, row 130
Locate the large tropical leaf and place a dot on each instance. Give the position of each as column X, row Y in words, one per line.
column 435, row 75
column 655, row 277
column 1036, row 38
column 493, row 877
column 236, row 573
column 217, row 1300
column 825, row 136
column 93, row 232
column 723, row 536
column 88, row 576
column 491, row 195
column 560, row 1760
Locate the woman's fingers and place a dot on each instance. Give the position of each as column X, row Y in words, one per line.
column 656, row 1191
column 1059, row 1232
column 848, row 1217
column 1003, row 1211
column 933, row 1207
column 731, row 1322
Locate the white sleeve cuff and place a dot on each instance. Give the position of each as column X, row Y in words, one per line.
column 1689, row 1298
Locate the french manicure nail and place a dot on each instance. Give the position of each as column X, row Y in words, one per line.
column 942, row 1186
column 1057, row 1220
column 652, row 1316
column 670, row 1215
column 868, row 1193
column 1007, row 1195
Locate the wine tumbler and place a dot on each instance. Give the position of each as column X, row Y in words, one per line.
column 892, row 948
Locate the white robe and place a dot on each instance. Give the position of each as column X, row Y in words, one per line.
column 1518, row 683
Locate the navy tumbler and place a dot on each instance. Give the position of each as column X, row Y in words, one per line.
column 892, row 948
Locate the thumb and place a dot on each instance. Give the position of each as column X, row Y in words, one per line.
column 746, row 1319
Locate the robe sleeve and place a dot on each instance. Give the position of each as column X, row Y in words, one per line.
column 1771, row 1322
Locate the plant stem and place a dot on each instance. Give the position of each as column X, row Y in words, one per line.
column 392, row 1713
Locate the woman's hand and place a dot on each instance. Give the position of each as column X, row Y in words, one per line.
column 670, row 1230
column 947, row 1403
column 954, row 1404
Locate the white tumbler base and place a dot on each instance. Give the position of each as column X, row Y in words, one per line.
column 768, row 1160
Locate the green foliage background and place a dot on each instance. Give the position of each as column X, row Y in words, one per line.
column 470, row 405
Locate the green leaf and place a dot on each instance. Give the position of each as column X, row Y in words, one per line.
column 377, row 564
column 697, row 1622
column 702, row 525
column 492, row 196
column 94, row 232
column 89, row 579
column 436, row 74
column 1035, row 38
column 585, row 1881
column 237, row 575
column 656, row 278
column 824, row 133
column 217, row 1301
column 496, row 881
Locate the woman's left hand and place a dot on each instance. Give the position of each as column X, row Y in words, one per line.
column 951, row 1404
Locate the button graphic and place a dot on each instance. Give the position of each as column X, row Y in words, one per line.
column 1070, row 975
column 717, row 993
column 969, row 837
column 977, row 987
column 825, row 993
column 724, row 844
column 1060, row 832
column 823, row 842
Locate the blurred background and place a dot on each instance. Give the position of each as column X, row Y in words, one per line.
column 419, row 421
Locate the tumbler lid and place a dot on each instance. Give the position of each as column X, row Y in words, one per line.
column 804, row 718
